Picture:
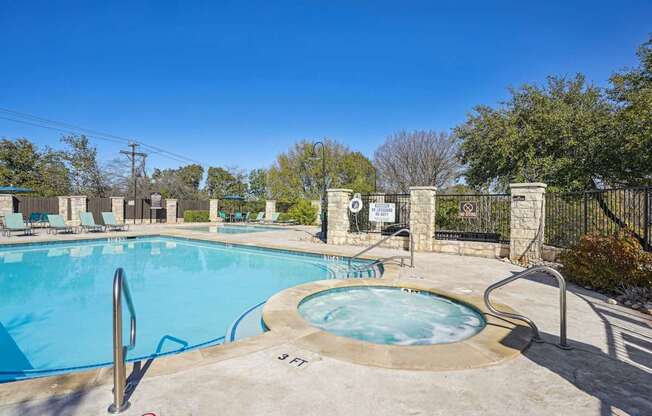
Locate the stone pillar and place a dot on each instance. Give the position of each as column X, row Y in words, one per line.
column 317, row 205
column 270, row 208
column 77, row 206
column 338, row 215
column 527, row 222
column 118, row 208
column 63, row 207
column 170, row 211
column 213, row 208
column 422, row 216
column 6, row 205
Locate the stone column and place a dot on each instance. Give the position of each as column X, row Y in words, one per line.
column 118, row 208
column 63, row 207
column 170, row 211
column 527, row 222
column 317, row 205
column 77, row 206
column 213, row 208
column 422, row 216
column 338, row 215
column 6, row 204
column 270, row 208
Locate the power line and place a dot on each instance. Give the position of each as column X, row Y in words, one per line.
column 37, row 121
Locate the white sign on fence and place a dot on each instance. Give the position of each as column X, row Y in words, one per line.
column 382, row 212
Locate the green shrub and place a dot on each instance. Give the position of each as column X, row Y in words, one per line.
column 195, row 216
column 608, row 263
column 284, row 216
column 303, row 212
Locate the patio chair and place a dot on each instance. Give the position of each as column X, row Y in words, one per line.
column 15, row 222
column 274, row 218
column 88, row 222
column 247, row 217
column 238, row 217
column 57, row 224
column 223, row 215
column 37, row 218
column 111, row 224
column 259, row 218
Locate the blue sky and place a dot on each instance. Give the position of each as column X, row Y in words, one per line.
column 235, row 83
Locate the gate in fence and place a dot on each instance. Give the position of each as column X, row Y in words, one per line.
column 360, row 223
column 139, row 211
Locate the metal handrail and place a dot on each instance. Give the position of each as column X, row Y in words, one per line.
column 563, row 343
column 121, row 287
column 376, row 244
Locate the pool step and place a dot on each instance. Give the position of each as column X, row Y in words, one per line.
column 248, row 324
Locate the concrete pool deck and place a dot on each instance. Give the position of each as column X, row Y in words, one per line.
column 609, row 371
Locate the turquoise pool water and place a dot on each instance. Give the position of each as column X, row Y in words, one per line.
column 56, row 305
column 385, row 315
column 232, row 229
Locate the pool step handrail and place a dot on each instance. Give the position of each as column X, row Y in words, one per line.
column 382, row 240
column 120, row 287
column 563, row 342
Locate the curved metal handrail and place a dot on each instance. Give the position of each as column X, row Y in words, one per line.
column 121, row 287
column 563, row 343
column 377, row 243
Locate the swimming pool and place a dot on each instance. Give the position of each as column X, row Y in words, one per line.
column 56, row 308
column 231, row 229
column 391, row 315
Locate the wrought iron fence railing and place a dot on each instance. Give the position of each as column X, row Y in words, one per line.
column 570, row 215
column 473, row 217
column 359, row 222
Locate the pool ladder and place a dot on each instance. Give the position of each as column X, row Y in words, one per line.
column 563, row 342
column 121, row 287
column 386, row 259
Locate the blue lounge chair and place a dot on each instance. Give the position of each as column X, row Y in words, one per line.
column 15, row 223
column 88, row 222
column 259, row 218
column 238, row 217
column 57, row 224
column 111, row 223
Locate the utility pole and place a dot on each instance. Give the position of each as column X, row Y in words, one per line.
column 132, row 154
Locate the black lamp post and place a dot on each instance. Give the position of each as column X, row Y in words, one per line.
column 323, row 184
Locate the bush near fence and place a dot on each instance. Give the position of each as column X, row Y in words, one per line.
column 195, row 216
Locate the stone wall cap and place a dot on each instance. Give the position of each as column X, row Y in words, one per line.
column 77, row 196
column 339, row 190
column 171, row 199
column 114, row 197
column 423, row 188
column 528, row 185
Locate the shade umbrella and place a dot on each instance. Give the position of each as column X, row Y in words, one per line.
column 14, row 190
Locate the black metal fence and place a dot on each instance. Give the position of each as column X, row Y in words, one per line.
column 571, row 215
column 27, row 205
column 473, row 217
column 359, row 222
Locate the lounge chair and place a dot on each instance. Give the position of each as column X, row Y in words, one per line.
column 37, row 218
column 15, row 222
column 57, row 224
column 259, row 218
column 238, row 217
column 88, row 222
column 111, row 224
column 223, row 215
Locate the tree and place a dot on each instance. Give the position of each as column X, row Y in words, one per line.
column 298, row 174
column 631, row 91
column 257, row 188
column 191, row 175
column 81, row 160
column 560, row 133
column 23, row 164
column 221, row 182
column 418, row 158
column 182, row 183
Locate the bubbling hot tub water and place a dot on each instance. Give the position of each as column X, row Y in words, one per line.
column 390, row 315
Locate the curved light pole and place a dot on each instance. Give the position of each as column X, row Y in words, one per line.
column 323, row 184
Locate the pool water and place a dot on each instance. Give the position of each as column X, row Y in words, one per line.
column 388, row 315
column 231, row 229
column 56, row 307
